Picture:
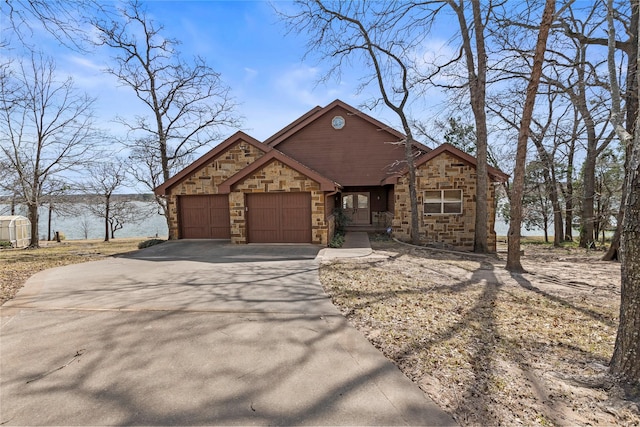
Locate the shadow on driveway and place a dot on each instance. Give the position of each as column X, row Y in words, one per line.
column 222, row 251
column 195, row 333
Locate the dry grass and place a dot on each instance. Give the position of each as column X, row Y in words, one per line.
column 489, row 347
column 17, row 265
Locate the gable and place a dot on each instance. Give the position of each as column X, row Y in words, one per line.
column 205, row 174
column 456, row 158
column 362, row 153
column 280, row 174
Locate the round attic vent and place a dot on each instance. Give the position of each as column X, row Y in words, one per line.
column 337, row 122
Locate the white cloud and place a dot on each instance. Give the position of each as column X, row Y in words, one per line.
column 250, row 73
column 88, row 75
column 84, row 62
column 300, row 84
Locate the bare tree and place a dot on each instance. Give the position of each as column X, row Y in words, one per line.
column 118, row 211
column 517, row 190
column 124, row 211
column 537, row 207
column 577, row 74
column 344, row 32
column 187, row 102
column 63, row 19
column 627, row 14
column 52, row 193
column 472, row 19
column 85, row 226
column 625, row 362
column 609, row 178
column 567, row 191
column 105, row 179
column 476, row 62
column 46, row 130
column 550, row 127
column 9, row 184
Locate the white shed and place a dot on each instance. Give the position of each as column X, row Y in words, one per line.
column 15, row 229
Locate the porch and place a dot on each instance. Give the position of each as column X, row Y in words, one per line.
column 367, row 209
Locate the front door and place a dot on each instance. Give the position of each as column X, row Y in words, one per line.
column 356, row 207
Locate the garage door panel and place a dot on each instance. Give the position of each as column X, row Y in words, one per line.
column 204, row 217
column 266, row 224
column 279, row 218
column 219, row 221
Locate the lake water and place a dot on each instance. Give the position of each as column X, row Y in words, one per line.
column 72, row 226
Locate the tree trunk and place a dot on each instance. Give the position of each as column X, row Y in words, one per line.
column 551, row 188
column 625, row 362
column 517, row 191
column 568, row 220
column 478, row 100
column 107, row 203
column 49, row 223
column 546, row 233
column 631, row 105
column 558, row 231
column 477, row 93
column 568, row 228
column 587, row 215
column 558, row 234
column 612, row 253
column 413, row 195
column 33, row 217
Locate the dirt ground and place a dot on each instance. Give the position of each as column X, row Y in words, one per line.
column 489, row 347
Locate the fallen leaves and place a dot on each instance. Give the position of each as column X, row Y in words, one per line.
column 480, row 342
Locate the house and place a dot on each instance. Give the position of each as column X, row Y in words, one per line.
column 285, row 189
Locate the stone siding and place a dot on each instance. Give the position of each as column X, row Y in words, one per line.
column 444, row 172
column 207, row 179
column 272, row 178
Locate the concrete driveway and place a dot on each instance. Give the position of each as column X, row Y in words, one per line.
column 195, row 332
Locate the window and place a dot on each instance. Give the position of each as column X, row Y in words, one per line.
column 442, row 202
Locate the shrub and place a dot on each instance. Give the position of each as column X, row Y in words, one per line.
column 380, row 237
column 342, row 220
column 337, row 241
column 5, row 244
column 148, row 243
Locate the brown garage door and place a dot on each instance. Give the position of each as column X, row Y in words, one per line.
column 204, row 217
column 279, row 218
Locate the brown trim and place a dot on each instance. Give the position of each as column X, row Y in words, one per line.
column 317, row 112
column 208, row 157
column 496, row 174
column 325, row 183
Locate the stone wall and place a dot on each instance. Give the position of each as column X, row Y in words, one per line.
column 381, row 219
column 444, row 172
column 277, row 177
column 207, row 179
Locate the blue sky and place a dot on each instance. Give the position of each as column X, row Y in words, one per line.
column 243, row 40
